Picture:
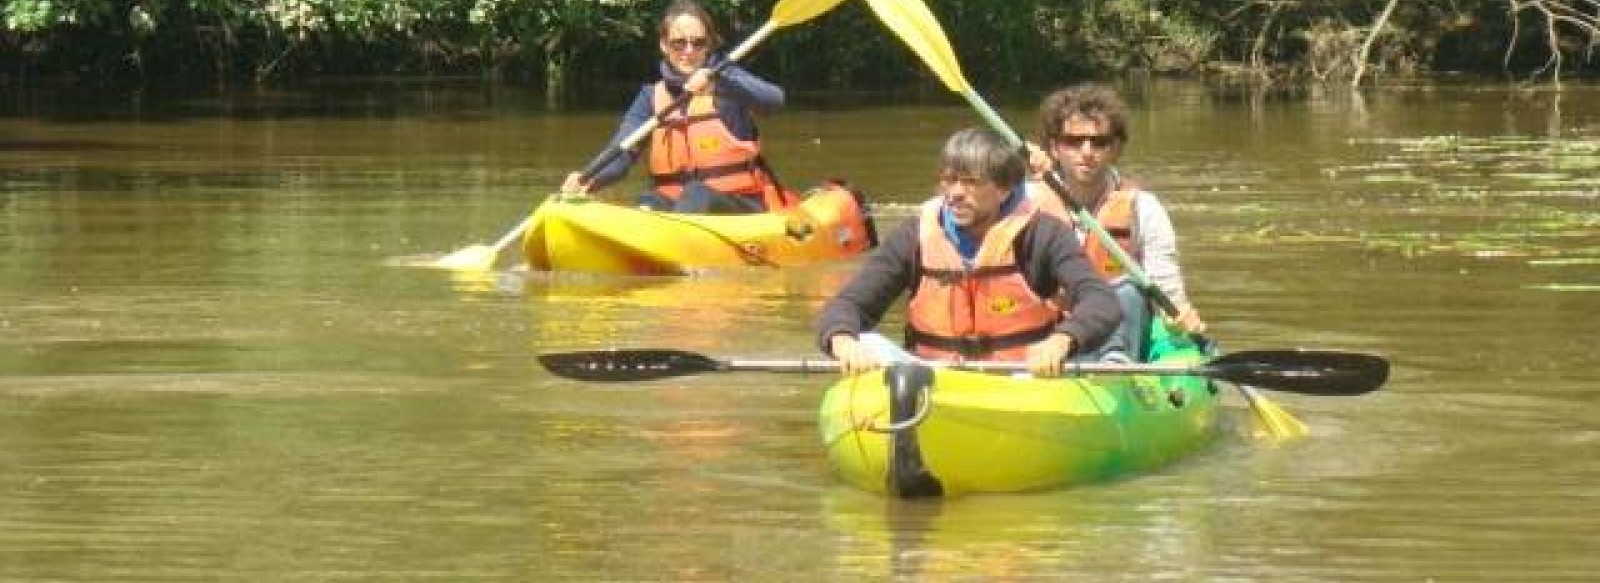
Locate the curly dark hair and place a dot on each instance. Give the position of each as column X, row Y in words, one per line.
column 1089, row 100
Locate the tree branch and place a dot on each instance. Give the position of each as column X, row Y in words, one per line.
column 1366, row 47
column 1581, row 17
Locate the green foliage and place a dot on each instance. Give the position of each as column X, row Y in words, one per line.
column 35, row 15
column 579, row 45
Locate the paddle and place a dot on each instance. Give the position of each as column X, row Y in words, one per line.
column 1311, row 372
column 784, row 13
column 916, row 26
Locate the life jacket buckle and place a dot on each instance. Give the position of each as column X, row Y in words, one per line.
column 974, row 346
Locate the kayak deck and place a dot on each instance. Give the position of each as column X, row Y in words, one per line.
column 989, row 433
column 581, row 234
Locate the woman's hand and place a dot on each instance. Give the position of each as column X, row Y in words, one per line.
column 575, row 184
column 698, row 82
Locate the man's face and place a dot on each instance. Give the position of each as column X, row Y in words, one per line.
column 1085, row 148
column 974, row 202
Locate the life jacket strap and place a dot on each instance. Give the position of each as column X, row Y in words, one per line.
column 684, row 120
column 976, row 346
column 954, row 276
column 708, row 173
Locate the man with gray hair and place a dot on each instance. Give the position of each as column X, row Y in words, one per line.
column 991, row 278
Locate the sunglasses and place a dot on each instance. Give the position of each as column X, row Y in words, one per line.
column 1099, row 141
column 683, row 44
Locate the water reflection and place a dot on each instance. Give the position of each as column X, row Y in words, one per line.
column 1154, row 530
column 207, row 368
column 703, row 311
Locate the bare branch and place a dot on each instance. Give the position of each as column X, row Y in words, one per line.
column 1560, row 17
column 1366, row 47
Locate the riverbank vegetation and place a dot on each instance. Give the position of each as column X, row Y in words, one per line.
column 566, row 47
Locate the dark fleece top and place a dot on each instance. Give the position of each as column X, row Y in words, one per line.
column 1047, row 252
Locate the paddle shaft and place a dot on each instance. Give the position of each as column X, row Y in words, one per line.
column 1069, row 369
column 1321, row 373
column 1304, row 371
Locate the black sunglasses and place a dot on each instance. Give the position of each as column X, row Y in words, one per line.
column 1099, row 141
column 679, row 44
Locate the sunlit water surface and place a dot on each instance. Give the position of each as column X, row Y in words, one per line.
column 212, row 369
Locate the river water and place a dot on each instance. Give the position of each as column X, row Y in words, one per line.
column 214, row 364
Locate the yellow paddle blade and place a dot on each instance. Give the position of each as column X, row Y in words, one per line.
column 913, row 23
column 1272, row 421
column 470, row 258
column 481, row 257
column 788, row 12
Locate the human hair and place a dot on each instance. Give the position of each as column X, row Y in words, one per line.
column 984, row 153
column 1089, row 100
column 693, row 10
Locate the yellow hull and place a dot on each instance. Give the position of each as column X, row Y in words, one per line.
column 989, row 433
column 591, row 236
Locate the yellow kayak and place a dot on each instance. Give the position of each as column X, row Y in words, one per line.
column 987, row 433
column 583, row 234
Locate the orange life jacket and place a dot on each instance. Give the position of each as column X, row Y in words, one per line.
column 1116, row 214
column 695, row 144
column 985, row 311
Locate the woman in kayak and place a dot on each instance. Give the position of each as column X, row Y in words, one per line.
column 705, row 154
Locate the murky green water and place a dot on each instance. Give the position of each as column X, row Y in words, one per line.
column 209, row 370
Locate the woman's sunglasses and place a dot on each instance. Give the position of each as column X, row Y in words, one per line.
column 1099, row 141
column 683, row 44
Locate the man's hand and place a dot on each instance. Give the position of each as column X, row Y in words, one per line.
column 1188, row 320
column 1045, row 356
column 1039, row 161
column 852, row 356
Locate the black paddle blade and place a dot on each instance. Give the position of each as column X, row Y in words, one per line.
column 627, row 365
column 1312, row 372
